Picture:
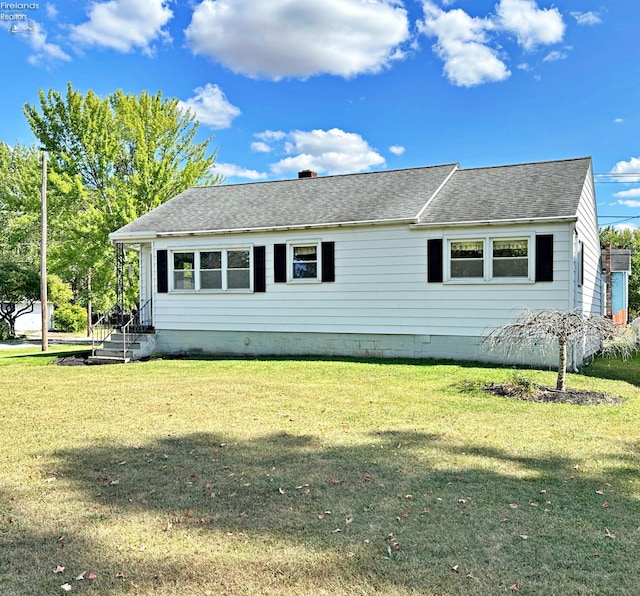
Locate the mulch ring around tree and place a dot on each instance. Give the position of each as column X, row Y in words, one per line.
column 540, row 393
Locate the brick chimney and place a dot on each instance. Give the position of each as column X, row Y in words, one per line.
column 307, row 174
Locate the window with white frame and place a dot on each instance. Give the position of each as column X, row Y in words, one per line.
column 489, row 259
column 184, row 271
column 467, row 259
column 220, row 269
column 304, row 260
column 510, row 257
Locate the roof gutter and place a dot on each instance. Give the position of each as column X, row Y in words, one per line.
column 142, row 236
column 500, row 222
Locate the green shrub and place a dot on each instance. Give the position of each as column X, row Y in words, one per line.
column 70, row 318
column 4, row 331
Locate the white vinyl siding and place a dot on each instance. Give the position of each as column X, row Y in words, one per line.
column 588, row 295
column 381, row 287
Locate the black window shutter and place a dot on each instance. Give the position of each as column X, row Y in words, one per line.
column 544, row 257
column 328, row 261
column 259, row 269
column 163, row 272
column 280, row 263
column 434, row 260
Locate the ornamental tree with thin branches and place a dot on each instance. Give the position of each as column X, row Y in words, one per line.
column 539, row 329
column 19, row 290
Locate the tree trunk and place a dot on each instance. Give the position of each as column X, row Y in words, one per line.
column 562, row 364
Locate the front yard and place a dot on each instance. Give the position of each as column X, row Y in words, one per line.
column 313, row 477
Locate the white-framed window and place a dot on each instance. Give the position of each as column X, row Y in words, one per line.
column 485, row 259
column 184, row 271
column 510, row 257
column 221, row 269
column 466, row 258
column 304, row 261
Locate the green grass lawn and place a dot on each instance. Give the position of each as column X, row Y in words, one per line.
column 313, row 477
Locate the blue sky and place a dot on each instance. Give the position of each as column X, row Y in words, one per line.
column 344, row 86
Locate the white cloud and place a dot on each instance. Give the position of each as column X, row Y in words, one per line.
column 124, row 25
column 629, row 170
column 470, row 48
column 618, row 120
column 462, row 45
column 302, row 38
column 625, row 226
column 211, row 107
column 269, row 136
column 629, row 203
column 260, row 147
column 587, row 18
column 555, row 56
column 52, row 11
column 231, row 170
column 397, row 149
column 632, row 192
column 44, row 53
column 531, row 25
column 326, row 151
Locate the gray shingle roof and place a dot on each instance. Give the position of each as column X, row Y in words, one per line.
column 545, row 189
column 521, row 191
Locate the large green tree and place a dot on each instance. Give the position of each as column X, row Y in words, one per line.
column 20, row 184
column 627, row 238
column 112, row 159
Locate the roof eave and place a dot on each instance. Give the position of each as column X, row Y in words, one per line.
column 128, row 237
column 499, row 222
column 144, row 236
column 344, row 224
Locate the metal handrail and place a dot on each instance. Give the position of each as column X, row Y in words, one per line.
column 103, row 328
column 135, row 321
column 113, row 319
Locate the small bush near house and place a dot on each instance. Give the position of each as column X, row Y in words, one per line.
column 4, row 331
column 70, row 318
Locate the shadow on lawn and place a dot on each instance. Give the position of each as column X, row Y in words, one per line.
column 385, row 516
column 442, row 503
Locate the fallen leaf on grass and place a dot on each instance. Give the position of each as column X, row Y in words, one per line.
column 81, row 576
column 605, row 505
column 281, row 490
column 455, row 568
column 513, row 505
column 92, row 576
column 65, row 588
column 514, row 587
column 599, row 492
column 609, row 534
column 58, row 569
column 524, row 537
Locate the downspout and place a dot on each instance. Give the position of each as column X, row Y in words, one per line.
column 576, row 350
column 607, row 271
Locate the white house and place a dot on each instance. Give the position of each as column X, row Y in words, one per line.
column 416, row 263
column 32, row 321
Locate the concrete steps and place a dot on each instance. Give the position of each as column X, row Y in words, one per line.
column 114, row 350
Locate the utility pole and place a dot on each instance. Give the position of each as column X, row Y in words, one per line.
column 43, row 254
